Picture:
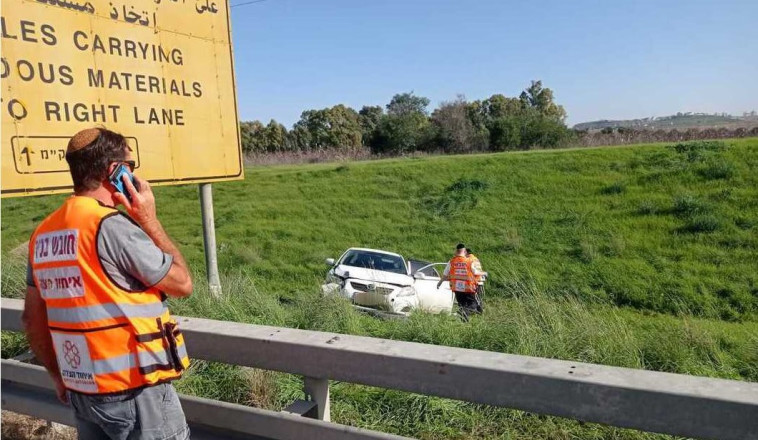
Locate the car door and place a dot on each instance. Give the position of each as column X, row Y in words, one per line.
column 430, row 298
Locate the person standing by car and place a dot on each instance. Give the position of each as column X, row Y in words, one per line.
column 476, row 266
column 462, row 274
column 95, row 313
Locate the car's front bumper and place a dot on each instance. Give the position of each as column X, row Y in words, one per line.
column 373, row 295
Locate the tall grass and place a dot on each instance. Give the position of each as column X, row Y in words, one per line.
column 523, row 320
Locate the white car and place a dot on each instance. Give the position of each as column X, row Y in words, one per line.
column 376, row 280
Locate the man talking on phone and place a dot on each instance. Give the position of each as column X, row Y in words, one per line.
column 95, row 312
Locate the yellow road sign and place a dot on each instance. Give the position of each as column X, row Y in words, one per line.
column 160, row 72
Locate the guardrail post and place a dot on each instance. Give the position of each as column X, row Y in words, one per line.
column 317, row 390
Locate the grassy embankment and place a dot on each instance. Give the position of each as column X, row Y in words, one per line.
column 644, row 257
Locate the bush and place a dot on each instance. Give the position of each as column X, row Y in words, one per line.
column 647, row 207
column 615, row 247
column 543, row 132
column 400, row 134
column 697, row 150
column 744, row 223
column 702, row 223
column 717, row 170
column 505, row 134
column 687, row 206
column 511, row 240
column 586, row 252
column 614, row 188
column 456, row 199
column 685, row 147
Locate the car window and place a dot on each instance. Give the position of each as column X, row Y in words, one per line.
column 429, row 271
column 374, row 260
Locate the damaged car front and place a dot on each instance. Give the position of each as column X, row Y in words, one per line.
column 372, row 279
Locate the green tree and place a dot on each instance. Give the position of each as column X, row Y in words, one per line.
column 541, row 131
column 505, row 133
column 406, row 126
column 344, row 128
column 335, row 127
column 404, row 104
column 251, row 137
column 312, row 129
column 537, row 97
column 476, row 113
column 499, row 122
column 403, row 134
column 299, row 138
column 499, row 106
column 532, row 119
column 275, row 136
column 369, row 118
column 454, row 129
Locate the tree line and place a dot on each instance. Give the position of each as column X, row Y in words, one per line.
column 405, row 125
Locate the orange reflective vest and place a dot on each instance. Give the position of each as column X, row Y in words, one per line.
column 476, row 264
column 461, row 276
column 106, row 339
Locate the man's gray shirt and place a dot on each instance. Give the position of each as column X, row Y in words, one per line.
column 129, row 257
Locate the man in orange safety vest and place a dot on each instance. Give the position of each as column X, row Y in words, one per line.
column 95, row 310
column 476, row 265
column 462, row 274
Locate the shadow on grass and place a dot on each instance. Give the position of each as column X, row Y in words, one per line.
column 456, row 199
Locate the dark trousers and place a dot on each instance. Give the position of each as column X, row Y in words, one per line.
column 469, row 302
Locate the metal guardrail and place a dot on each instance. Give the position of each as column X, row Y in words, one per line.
column 27, row 389
column 646, row 400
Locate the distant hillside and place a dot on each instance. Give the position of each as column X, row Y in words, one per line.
column 679, row 120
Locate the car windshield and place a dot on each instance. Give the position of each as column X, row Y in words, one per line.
column 429, row 271
column 374, row 260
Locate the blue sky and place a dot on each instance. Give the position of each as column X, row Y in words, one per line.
column 603, row 59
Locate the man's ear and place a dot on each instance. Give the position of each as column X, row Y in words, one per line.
column 111, row 167
column 107, row 180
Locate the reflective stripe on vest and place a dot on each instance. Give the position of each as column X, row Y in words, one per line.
column 128, row 361
column 99, row 312
column 106, row 339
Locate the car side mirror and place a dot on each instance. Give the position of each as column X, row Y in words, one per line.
column 329, row 262
column 419, row 276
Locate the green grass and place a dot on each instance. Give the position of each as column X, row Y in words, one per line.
column 642, row 257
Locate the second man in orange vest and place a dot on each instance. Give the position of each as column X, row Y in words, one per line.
column 463, row 272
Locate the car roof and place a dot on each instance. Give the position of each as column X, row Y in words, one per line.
column 374, row 250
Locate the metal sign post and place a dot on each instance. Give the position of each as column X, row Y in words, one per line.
column 209, row 238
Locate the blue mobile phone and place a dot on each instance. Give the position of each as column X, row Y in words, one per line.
column 118, row 182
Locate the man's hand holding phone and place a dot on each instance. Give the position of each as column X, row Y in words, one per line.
column 178, row 281
column 142, row 205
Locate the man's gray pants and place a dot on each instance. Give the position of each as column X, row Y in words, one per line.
column 152, row 413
